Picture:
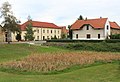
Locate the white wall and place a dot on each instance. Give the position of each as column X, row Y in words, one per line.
column 82, row 33
column 107, row 31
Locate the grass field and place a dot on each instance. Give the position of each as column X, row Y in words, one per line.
column 101, row 73
column 109, row 72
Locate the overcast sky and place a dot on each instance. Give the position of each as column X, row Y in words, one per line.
column 65, row 12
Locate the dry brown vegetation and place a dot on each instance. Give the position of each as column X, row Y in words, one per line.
column 59, row 61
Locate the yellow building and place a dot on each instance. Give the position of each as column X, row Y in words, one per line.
column 115, row 28
column 42, row 30
column 1, row 35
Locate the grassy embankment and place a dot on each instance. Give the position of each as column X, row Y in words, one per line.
column 109, row 72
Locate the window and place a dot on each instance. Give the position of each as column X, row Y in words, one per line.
column 43, row 31
column 107, row 27
column 34, row 30
column 58, row 31
column 43, row 37
column 87, row 27
column 88, row 36
column 37, row 37
column 37, row 31
column 98, row 36
column 55, row 31
column 48, row 37
column 76, row 36
column 58, row 37
column 51, row 31
column 47, row 31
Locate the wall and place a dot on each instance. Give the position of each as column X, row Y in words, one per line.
column 107, row 31
column 115, row 31
column 1, row 35
column 46, row 32
column 39, row 33
column 93, row 32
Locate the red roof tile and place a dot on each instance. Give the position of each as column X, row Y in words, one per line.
column 39, row 25
column 114, row 25
column 95, row 23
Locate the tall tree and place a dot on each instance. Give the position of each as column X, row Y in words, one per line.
column 70, row 32
column 80, row 17
column 29, row 32
column 9, row 20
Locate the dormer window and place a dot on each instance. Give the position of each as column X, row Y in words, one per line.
column 87, row 27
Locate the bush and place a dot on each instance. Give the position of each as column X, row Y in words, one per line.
column 112, row 40
column 115, row 36
column 69, row 40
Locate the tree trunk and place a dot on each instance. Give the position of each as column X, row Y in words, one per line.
column 9, row 36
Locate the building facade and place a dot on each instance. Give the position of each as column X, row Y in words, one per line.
column 42, row 30
column 91, row 29
column 115, row 28
column 1, row 35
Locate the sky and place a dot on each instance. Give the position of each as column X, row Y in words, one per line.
column 64, row 12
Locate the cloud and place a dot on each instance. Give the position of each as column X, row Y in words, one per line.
column 65, row 12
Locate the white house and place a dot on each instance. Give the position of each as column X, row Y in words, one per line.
column 91, row 29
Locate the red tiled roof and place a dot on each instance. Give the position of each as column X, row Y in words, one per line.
column 95, row 23
column 114, row 25
column 64, row 30
column 39, row 25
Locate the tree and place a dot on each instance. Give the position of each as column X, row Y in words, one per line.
column 30, row 32
column 63, row 36
column 70, row 32
column 18, row 37
column 80, row 17
column 9, row 20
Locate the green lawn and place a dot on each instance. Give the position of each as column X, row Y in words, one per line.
column 100, row 73
column 16, row 51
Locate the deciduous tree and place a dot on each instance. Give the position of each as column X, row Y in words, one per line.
column 9, row 20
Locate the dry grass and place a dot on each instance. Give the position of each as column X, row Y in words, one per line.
column 59, row 61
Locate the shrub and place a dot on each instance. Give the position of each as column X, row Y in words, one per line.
column 115, row 36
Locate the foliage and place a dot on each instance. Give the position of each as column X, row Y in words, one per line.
column 9, row 20
column 89, row 46
column 115, row 36
column 74, row 41
column 54, row 38
column 80, row 17
column 70, row 32
column 63, row 36
column 18, row 37
column 112, row 40
column 29, row 35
